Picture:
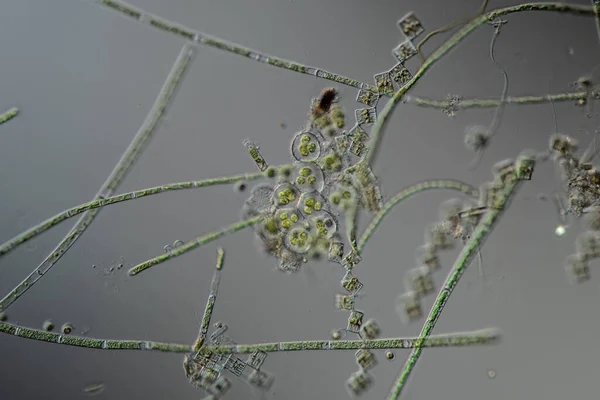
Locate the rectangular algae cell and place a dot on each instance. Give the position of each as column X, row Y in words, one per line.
column 252, row 149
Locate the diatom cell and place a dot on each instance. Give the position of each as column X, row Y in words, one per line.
column 365, row 359
column 252, row 149
column 367, row 97
column 344, row 302
column 366, row 116
column 383, row 82
column 410, row 25
column 400, row 74
column 355, row 321
column 404, row 51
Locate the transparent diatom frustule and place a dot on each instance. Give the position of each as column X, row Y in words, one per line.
column 504, row 171
column 370, row 330
column 408, row 307
column 439, row 237
column 588, row 244
column 426, row 255
column 420, row 281
column 577, row 268
column 261, row 379
column 359, row 382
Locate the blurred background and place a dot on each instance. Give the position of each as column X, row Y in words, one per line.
column 84, row 79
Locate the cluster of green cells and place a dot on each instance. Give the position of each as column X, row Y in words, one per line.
column 301, row 206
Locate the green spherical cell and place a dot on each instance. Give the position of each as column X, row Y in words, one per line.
column 3, row 317
column 48, row 325
column 304, row 150
column 285, row 171
column 67, row 328
column 305, row 171
column 300, row 180
column 271, row 172
column 335, row 198
column 312, row 147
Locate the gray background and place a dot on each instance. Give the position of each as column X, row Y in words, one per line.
column 84, row 79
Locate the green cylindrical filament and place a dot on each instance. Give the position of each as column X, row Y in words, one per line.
column 210, row 303
column 408, row 192
column 194, row 244
column 138, row 194
column 474, row 338
column 8, row 115
column 123, row 8
column 491, row 103
column 471, row 248
column 480, row 337
column 128, row 158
